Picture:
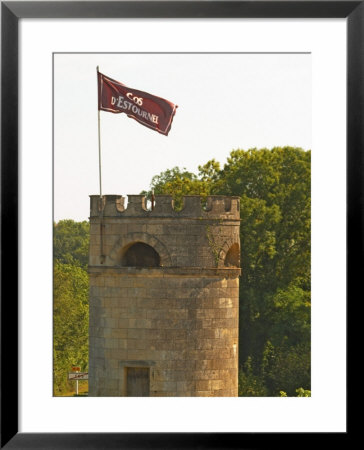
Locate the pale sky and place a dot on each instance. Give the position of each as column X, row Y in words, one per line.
column 225, row 102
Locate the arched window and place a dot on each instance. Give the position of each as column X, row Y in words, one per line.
column 140, row 255
column 232, row 258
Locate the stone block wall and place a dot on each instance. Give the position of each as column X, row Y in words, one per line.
column 172, row 327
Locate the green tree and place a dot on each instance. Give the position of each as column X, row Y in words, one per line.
column 70, row 322
column 274, row 187
column 300, row 393
column 179, row 182
column 286, row 366
column 70, row 300
column 71, row 242
column 303, row 392
column 250, row 384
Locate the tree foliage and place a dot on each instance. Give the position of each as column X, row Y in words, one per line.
column 275, row 196
column 70, row 301
column 179, row 182
column 70, row 242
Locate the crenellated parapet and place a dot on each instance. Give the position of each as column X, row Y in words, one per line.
column 216, row 207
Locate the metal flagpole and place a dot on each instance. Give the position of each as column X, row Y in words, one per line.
column 98, row 117
column 102, row 257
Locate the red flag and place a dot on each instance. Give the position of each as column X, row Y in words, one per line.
column 149, row 110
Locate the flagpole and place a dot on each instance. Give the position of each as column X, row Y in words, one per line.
column 98, row 121
column 102, row 257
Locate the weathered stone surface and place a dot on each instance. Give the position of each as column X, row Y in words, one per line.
column 178, row 319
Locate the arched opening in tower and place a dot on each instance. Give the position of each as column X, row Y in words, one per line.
column 140, row 255
column 232, row 258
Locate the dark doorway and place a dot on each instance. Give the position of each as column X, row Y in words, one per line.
column 137, row 382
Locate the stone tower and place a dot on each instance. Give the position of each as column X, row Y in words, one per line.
column 164, row 296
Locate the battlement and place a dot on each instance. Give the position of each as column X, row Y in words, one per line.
column 216, row 207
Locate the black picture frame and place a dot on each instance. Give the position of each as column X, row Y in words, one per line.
column 11, row 12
